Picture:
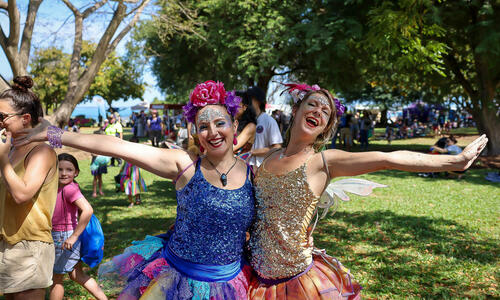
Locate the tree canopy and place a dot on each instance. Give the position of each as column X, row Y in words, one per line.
column 17, row 44
column 239, row 42
column 438, row 50
column 458, row 40
column 118, row 77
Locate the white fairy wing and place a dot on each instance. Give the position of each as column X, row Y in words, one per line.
column 361, row 187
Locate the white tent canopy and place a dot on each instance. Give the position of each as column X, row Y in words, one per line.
column 141, row 106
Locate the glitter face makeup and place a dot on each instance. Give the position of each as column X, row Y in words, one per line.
column 228, row 121
column 210, row 114
column 321, row 99
column 314, row 101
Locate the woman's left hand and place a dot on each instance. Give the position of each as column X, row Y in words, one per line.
column 69, row 242
column 472, row 151
column 35, row 134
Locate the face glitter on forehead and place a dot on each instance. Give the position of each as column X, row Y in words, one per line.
column 320, row 98
column 209, row 114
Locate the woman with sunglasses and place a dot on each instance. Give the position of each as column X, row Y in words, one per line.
column 201, row 257
column 28, row 191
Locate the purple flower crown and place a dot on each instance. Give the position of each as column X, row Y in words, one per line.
column 210, row 92
column 298, row 91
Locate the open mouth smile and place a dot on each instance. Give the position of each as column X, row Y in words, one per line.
column 216, row 143
column 312, row 122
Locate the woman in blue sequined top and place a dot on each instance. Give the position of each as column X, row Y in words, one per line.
column 201, row 257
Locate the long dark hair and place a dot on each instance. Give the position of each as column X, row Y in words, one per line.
column 23, row 100
column 249, row 115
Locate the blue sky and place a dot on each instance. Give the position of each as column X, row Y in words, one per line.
column 55, row 26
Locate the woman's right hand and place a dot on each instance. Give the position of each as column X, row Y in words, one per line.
column 5, row 138
column 35, row 134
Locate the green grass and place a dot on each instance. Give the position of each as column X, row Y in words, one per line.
column 418, row 238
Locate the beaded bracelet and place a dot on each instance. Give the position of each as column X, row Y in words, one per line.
column 54, row 135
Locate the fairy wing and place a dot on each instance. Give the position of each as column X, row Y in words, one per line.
column 361, row 187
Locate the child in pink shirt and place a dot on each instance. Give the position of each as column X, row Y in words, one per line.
column 66, row 229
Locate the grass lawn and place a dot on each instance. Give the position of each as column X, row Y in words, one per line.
column 418, row 238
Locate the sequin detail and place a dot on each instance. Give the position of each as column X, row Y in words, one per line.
column 211, row 223
column 285, row 206
column 210, row 229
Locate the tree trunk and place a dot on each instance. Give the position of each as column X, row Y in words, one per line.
column 263, row 81
column 488, row 122
column 63, row 112
column 383, row 117
column 79, row 82
column 3, row 86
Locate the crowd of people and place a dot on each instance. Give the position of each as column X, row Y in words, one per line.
column 406, row 128
column 242, row 231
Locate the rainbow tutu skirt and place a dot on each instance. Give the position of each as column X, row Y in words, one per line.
column 143, row 272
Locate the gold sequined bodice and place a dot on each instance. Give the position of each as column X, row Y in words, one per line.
column 285, row 207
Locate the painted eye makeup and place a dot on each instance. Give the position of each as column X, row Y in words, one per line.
column 315, row 100
column 210, row 115
column 202, row 127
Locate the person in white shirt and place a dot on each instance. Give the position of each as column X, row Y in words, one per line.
column 267, row 133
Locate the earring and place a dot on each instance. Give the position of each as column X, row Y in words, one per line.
column 202, row 150
column 235, row 141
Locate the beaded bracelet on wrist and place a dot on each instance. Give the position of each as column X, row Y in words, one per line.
column 54, row 135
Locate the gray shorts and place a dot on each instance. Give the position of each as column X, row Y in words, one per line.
column 65, row 259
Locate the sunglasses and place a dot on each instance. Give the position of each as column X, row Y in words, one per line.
column 4, row 116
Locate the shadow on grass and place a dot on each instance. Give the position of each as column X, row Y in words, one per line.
column 405, row 255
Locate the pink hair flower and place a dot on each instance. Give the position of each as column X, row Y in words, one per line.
column 210, row 92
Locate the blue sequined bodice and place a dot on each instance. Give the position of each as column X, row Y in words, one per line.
column 211, row 223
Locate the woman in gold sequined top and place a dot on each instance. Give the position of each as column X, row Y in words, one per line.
column 288, row 186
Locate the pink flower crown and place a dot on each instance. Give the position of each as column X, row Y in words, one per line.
column 298, row 91
column 210, row 92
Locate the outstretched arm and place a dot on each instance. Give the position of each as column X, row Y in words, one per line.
column 343, row 163
column 163, row 162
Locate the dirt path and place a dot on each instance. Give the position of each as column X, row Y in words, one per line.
column 78, row 154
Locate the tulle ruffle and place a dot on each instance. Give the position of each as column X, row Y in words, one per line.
column 326, row 279
column 142, row 272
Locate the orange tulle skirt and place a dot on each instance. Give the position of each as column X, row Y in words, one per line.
column 326, row 279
